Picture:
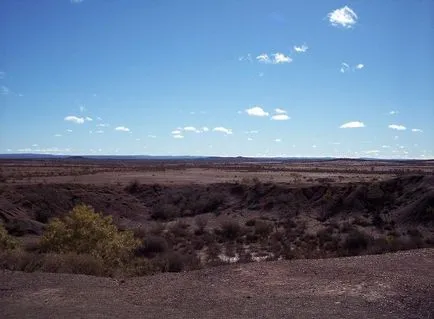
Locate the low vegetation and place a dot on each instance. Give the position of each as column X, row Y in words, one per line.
column 145, row 229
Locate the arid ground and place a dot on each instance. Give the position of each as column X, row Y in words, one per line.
column 197, row 216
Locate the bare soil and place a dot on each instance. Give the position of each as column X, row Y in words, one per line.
column 399, row 285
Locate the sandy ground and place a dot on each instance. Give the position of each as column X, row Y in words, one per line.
column 397, row 285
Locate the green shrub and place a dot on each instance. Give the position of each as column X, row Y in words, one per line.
column 7, row 242
column 83, row 231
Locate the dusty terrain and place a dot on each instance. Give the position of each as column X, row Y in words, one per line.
column 397, row 285
column 195, row 214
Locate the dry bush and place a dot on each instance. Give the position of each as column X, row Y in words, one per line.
column 263, row 229
column 230, row 229
column 83, row 231
column 7, row 242
column 151, row 246
column 201, row 222
column 165, row 212
column 133, row 187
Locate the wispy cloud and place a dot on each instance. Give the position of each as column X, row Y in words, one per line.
column 248, row 58
column 175, row 132
column 122, row 129
column 58, row 135
column 280, row 117
column 99, row 132
column 343, row 17
column 301, row 49
column 82, row 108
column 263, row 58
column 222, row 130
column 393, row 112
column 4, row 90
column 87, row 118
column 50, row 150
column 251, row 132
column 280, row 111
column 275, row 58
column 76, row 1
column 278, row 140
column 178, row 136
column 256, row 111
column 69, row 130
column 250, row 139
column 397, row 127
column 103, row 125
column 344, row 67
column 372, row 152
column 205, row 129
column 152, row 136
column 416, row 130
column 353, row 124
column 74, row 119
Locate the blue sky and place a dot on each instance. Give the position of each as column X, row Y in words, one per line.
column 227, row 77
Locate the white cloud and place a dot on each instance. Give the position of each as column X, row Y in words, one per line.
column 280, row 117
column 263, row 58
column 69, row 130
column 250, row 139
column 416, row 130
column 397, row 127
column 74, row 119
column 35, row 145
column 372, row 152
column 344, row 17
column 301, row 49
column 385, row 146
column 178, row 136
column 76, row 1
column 205, row 129
column 393, row 112
column 99, row 132
column 256, row 111
column 98, row 118
column 360, row 66
column 353, row 124
column 278, row 140
column 281, row 58
column 191, row 129
column 344, row 67
column 276, row 58
column 280, row 111
column 87, row 118
column 314, row 146
column 82, row 108
column 58, row 135
column 4, row 90
column 122, row 129
column 222, row 129
column 103, row 125
column 175, row 132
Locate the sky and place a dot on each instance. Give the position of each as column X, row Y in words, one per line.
column 294, row 78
